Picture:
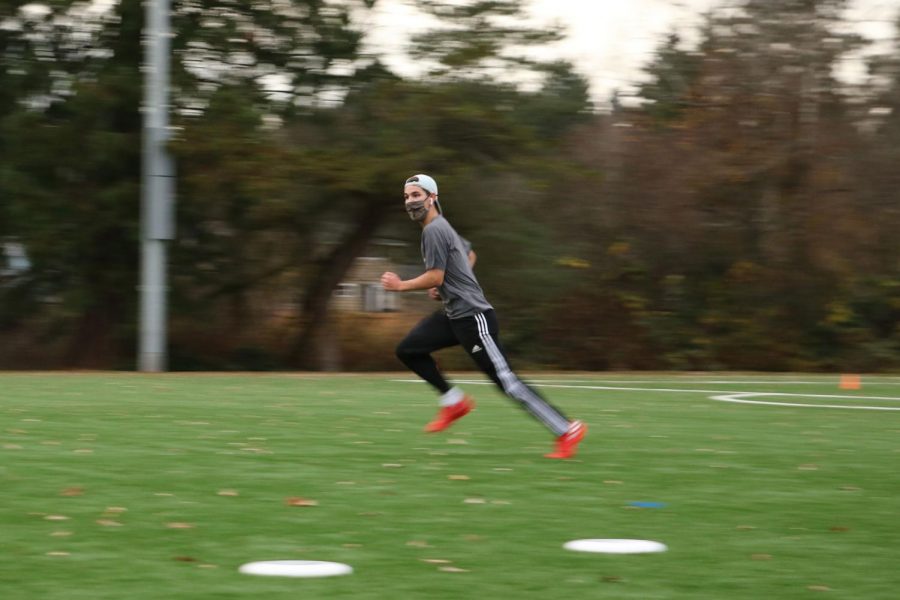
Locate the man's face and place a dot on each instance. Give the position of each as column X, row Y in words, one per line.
column 413, row 193
column 417, row 203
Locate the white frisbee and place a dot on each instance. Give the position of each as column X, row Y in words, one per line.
column 615, row 546
column 296, row 568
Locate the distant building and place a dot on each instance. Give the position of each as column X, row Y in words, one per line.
column 361, row 289
column 13, row 259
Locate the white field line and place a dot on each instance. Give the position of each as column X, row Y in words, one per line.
column 865, row 382
column 741, row 398
column 719, row 395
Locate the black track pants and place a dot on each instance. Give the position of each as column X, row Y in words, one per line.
column 479, row 336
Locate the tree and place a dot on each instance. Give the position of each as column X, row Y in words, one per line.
column 673, row 74
column 458, row 120
column 301, row 53
column 740, row 161
column 70, row 164
column 73, row 209
column 480, row 39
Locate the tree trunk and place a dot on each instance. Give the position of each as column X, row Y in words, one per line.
column 311, row 343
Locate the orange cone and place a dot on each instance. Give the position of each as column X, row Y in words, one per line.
column 850, row 382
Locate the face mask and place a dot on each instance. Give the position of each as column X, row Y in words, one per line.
column 417, row 210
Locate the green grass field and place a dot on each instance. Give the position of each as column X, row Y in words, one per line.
column 127, row 486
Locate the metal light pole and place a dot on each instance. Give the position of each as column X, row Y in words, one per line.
column 157, row 189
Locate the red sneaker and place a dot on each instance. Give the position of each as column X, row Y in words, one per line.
column 449, row 414
column 568, row 442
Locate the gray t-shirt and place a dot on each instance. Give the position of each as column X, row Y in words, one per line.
column 443, row 248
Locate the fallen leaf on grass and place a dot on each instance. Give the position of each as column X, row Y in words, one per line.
column 227, row 493
column 808, row 467
column 436, row 561
column 458, row 477
column 298, row 501
column 61, row 534
column 457, row 442
column 56, row 518
column 818, row 588
column 108, row 523
column 185, row 559
column 392, row 466
column 745, row 527
column 418, row 544
column 452, row 570
column 761, row 557
column 180, row 525
column 611, row 579
column 474, row 501
column 114, row 510
column 58, row 554
column 72, row 491
column 612, row 482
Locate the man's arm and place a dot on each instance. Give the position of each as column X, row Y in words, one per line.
column 428, row 279
column 472, row 258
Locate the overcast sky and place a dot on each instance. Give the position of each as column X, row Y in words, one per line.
column 609, row 41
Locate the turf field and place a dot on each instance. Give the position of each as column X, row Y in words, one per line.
column 127, row 486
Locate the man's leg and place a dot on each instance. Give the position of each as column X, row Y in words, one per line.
column 431, row 334
column 414, row 351
column 479, row 335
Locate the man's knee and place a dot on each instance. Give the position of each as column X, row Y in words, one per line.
column 404, row 350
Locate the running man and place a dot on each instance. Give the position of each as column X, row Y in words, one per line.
column 466, row 319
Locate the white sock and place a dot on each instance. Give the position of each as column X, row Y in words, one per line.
column 452, row 397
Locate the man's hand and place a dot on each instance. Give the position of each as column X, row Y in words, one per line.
column 433, row 293
column 391, row 282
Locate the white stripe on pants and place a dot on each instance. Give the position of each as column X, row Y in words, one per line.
column 513, row 386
